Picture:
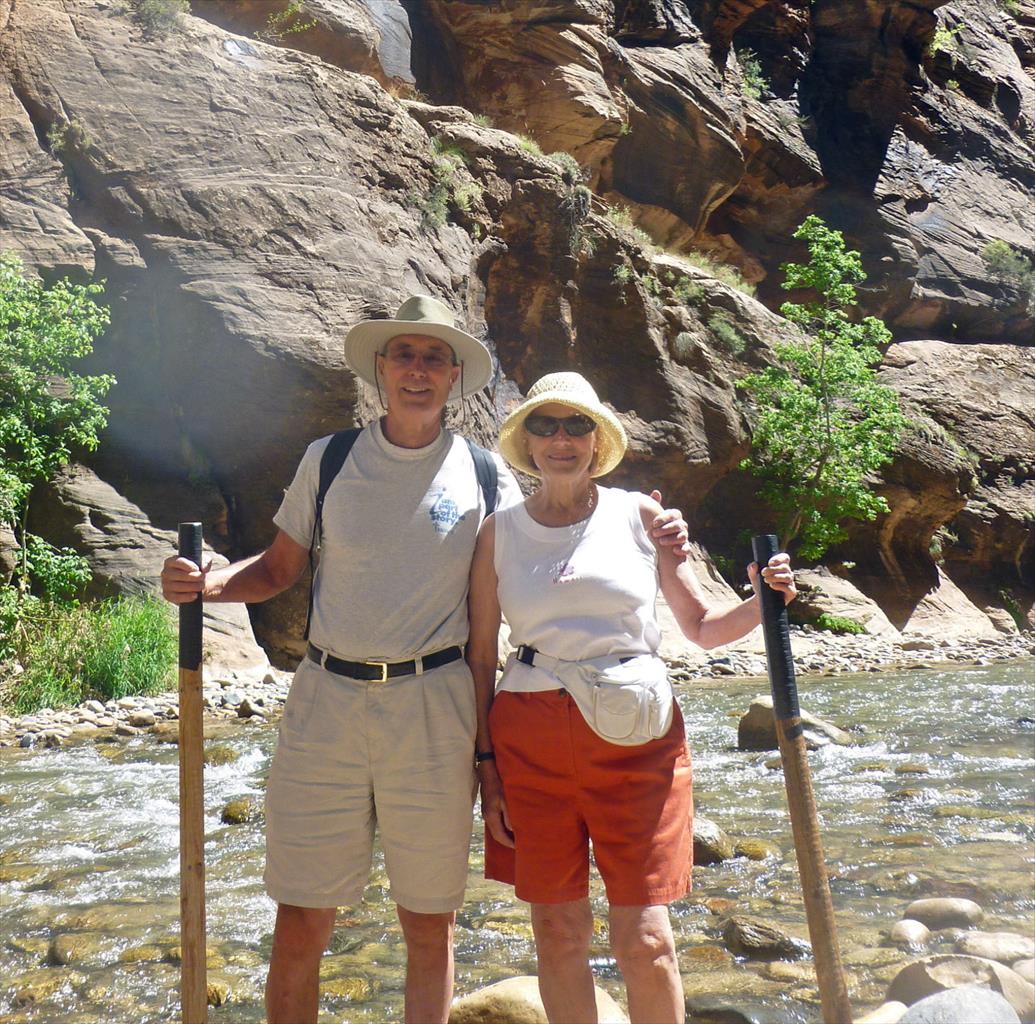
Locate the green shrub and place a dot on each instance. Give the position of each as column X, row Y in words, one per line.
column 286, row 22
column 824, row 424
column 720, row 271
column 59, row 573
column 687, row 292
column 451, row 185
column 683, row 345
column 74, row 653
column 529, row 145
column 571, row 171
column 753, row 81
column 838, row 624
column 158, row 17
column 726, row 334
column 67, row 137
column 47, row 408
column 1008, row 266
column 944, row 39
column 940, row 539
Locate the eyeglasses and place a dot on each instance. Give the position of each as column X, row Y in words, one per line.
column 546, row 426
column 405, row 358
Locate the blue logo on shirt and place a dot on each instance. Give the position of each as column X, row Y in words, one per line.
column 444, row 513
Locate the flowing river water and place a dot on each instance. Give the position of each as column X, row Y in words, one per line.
column 937, row 798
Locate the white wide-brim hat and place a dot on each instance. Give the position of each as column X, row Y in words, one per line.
column 420, row 314
column 571, row 389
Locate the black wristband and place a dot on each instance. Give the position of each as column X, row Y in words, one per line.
column 487, row 755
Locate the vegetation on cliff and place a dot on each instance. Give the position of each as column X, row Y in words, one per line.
column 824, row 423
column 48, row 410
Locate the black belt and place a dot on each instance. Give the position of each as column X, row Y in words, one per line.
column 526, row 655
column 379, row 671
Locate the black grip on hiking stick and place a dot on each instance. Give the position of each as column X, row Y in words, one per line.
column 190, row 614
column 777, row 635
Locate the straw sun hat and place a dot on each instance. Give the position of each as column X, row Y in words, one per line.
column 571, row 389
column 420, row 314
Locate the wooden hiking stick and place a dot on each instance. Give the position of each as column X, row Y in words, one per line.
column 819, row 910
column 193, row 983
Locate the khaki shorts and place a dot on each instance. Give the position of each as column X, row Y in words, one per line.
column 353, row 755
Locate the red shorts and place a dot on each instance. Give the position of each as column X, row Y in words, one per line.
column 566, row 787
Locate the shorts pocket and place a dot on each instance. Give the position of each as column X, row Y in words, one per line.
column 298, row 707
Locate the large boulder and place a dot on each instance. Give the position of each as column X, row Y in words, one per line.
column 821, row 592
column 756, row 729
column 971, row 1004
column 1006, row 947
column 126, row 551
column 949, row 971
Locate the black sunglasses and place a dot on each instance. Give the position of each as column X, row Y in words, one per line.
column 546, row 426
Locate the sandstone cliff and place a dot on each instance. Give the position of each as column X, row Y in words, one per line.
column 248, row 198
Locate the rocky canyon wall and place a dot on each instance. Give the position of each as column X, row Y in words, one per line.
column 249, row 194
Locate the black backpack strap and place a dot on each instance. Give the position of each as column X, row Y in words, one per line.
column 333, row 458
column 488, row 478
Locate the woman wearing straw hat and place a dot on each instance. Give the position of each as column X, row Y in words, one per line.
column 584, row 741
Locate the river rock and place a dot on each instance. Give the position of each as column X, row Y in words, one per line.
column 249, row 708
column 886, row 1013
column 517, row 1001
column 711, row 844
column 757, row 849
column 241, row 810
column 762, row 940
column 218, row 991
column 945, row 912
column 757, row 729
column 720, row 1008
column 37, row 985
column 1026, row 969
column 76, row 948
column 220, row 754
column 971, row 1004
column 910, row 934
column 1006, row 947
column 948, row 971
column 142, row 719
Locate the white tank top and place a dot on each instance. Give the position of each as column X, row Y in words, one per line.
column 577, row 592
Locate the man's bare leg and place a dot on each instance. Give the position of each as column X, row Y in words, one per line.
column 300, row 936
column 429, row 965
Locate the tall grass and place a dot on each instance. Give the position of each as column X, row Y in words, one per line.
column 74, row 653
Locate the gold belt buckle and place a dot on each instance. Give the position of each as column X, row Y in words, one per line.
column 383, row 665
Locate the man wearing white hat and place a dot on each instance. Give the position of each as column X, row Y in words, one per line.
column 380, row 721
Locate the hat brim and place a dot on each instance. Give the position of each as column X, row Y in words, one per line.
column 368, row 338
column 611, row 442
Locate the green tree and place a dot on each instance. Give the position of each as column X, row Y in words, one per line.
column 824, row 423
column 47, row 409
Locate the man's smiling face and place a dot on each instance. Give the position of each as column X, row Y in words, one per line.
column 417, row 372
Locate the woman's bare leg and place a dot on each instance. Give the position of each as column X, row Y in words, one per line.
column 562, row 936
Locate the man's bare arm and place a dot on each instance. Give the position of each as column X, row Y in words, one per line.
column 250, row 581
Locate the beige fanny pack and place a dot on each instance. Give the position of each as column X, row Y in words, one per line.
column 626, row 701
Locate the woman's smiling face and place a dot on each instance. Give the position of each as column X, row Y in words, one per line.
column 561, row 455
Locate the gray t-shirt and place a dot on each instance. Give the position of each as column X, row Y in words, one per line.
column 399, row 527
